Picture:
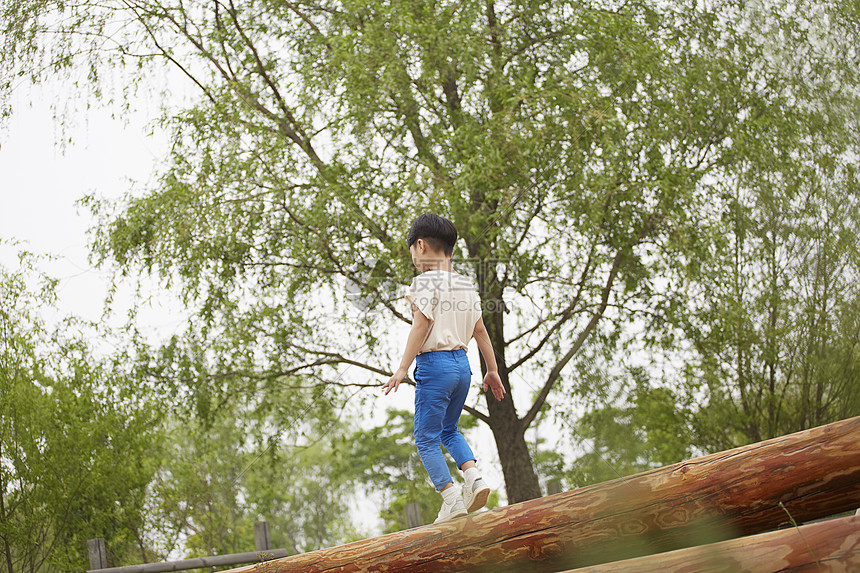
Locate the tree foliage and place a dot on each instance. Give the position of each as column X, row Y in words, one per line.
column 76, row 440
column 776, row 324
column 218, row 479
column 91, row 447
column 586, row 151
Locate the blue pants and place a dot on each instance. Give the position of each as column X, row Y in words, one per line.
column 442, row 380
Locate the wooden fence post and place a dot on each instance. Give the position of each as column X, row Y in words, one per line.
column 413, row 515
column 262, row 539
column 553, row 487
column 97, row 553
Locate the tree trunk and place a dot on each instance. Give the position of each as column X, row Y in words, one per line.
column 755, row 488
column 832, row 545
column 521, row 482
column 7, row 550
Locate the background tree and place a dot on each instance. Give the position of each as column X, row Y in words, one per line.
column 577, row 146
column 76, row 441
column 87, row 450
column 219, row 479
column 232, row 460
column 766, row 338
column 776, row 329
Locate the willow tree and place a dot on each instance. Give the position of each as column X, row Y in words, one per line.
column 573, row 144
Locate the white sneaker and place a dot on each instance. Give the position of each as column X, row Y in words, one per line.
column 451, row 510
column 476, row 496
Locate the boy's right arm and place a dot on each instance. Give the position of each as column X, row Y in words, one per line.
column 491, row 380
column 417, row 335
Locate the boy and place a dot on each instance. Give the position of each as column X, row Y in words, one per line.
column 446, row 314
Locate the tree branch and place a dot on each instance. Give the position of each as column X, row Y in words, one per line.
column 478, row 414
column 554, row 374
column 301, row 138
column 409, row 112
column 583, row 335
column 565, row 315
column 164, row 53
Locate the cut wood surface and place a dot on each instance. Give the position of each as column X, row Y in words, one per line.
column 829, row 546
column 813, row 474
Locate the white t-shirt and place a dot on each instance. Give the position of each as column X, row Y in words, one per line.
column 451, row 302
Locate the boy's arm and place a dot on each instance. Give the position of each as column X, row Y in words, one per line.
column 417, row 335
column 491, row 380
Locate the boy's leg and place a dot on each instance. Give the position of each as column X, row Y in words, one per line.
column 432, row 391
column 429, row 412
column 451, row 436
column 428, row 431
column 470, row 474
column 430, row 406
column 475, row 491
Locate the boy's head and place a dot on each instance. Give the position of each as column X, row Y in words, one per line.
column 438, row 233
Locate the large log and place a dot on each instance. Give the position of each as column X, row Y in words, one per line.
column 828, row 546
column 747, row 490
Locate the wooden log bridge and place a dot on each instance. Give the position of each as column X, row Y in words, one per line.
column 752, row 489
column 830, row 546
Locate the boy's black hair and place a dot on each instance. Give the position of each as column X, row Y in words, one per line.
column 439, row 232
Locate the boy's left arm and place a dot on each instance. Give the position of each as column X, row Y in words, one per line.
column 417, row 335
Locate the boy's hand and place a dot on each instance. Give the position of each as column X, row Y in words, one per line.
column 494, row 382
column 394, row 381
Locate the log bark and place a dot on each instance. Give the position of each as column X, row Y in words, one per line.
column 747, row 490
column 828, row 546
